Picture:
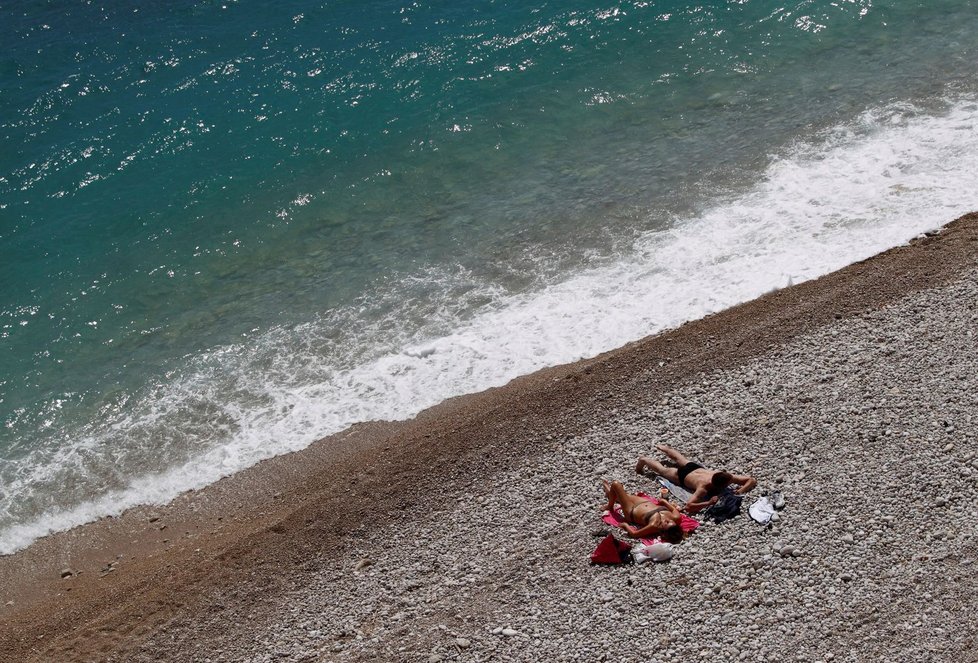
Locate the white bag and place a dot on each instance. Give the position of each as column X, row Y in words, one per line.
column 657, row 552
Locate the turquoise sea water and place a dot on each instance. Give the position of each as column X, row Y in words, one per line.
column 229, row 228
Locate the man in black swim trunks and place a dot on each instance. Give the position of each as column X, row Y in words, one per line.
column 705, row 484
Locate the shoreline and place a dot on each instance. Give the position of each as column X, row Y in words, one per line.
column 257, row 534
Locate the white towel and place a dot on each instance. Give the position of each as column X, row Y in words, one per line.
column 762, row 510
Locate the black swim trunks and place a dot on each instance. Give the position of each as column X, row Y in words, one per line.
column 684, row 472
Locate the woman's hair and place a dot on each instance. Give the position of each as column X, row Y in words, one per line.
column 720, row 481
column 672, row 534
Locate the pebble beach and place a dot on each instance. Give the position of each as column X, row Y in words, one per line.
column 465, row 535
column 868, row 428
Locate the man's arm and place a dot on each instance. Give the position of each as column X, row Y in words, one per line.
column 747, row 483
column 697, row 503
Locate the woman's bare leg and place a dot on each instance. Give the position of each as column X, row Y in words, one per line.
column 669, row 473
column 608, row 493
column 623, row 497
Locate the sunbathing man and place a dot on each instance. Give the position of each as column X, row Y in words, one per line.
column 652, row 520
column 705, row 484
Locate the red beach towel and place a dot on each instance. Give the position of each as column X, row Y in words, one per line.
column 610, row 551
column 616, row 518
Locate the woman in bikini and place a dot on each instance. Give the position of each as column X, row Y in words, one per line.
column 645, row 519
column 705, row 484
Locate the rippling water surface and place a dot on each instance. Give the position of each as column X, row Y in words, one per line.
column 227, row 229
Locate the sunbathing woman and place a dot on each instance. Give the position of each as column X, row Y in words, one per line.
column 705, row 484
column 652, row 520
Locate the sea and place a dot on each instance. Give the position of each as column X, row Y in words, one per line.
column 230, row 228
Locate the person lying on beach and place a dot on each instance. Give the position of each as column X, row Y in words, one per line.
column 650, row 520
column 705, row 484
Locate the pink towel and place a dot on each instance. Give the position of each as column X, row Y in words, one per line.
column 616, row 518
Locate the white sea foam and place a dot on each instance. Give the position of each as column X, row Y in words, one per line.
column 849, row 194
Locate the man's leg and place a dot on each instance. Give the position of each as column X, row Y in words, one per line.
column 669, row 473
column 673, row 455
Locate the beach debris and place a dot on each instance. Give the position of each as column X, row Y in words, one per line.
column 67, row 573
column 362, row 564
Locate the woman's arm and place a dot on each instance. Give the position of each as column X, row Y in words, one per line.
column 673, row 509
column 642, row 533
